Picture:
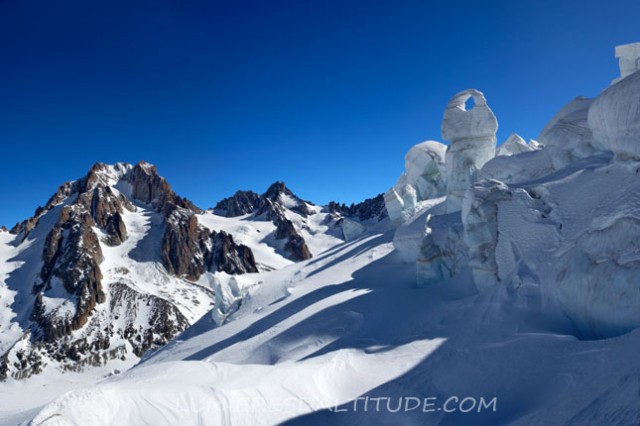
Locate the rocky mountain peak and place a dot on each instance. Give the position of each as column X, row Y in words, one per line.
column 276, row 189
column 371, row 208
column 279, row 195
column 272, row 205
column 101, row 174
column 148, row 187
column 85, row 219
column 239, row 204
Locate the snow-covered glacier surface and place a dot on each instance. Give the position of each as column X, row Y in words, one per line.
column 316, row 339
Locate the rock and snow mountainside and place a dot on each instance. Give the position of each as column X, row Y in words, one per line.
column 317, row 338
column 282, row 228
column 116, row 264
column 113, row 265
column 525, row 313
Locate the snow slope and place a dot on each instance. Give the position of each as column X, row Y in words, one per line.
column 318, row 229
column 249, row 232
column 328, row 331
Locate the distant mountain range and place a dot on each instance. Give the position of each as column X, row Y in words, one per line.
column 116, row 264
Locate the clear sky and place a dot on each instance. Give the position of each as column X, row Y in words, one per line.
column 325, row 95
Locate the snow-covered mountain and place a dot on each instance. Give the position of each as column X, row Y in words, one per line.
column 502, row 288
column 281, row 228
column 116, row 264
column 113, row 265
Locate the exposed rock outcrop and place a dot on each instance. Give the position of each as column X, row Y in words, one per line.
column 278, row 193
column 272, row 206
column 371, row 208
column 229, row 257
column 69, row 321
column 241, row 203
column 295, row 247
column 184, row 244
column 188, row 249
column 148, row 187
column 163, row 324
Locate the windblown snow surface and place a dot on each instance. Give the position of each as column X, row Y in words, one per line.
column 314, row 337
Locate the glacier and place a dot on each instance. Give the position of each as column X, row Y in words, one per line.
column 472, row 136
column 423, row 179
column 555, row 221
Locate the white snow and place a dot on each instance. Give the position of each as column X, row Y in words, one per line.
column 20, row 263
column 315, row 229
column 252, row 233
column 130, row 263
column 10, row 331
column 514, row 145
column 316, row 334
column 216, row 393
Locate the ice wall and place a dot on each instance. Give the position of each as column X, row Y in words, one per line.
column 628, row 59
column 472, row 136
column 555, row 225
column 422, row 180
column 614, row 117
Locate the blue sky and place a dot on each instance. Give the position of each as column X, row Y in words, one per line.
column 325, row 95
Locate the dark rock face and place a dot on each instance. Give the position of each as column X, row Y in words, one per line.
column 241, row 203
column 295, row 246
column 72, row 256
column 106, row 210
column 26, row 364
column 164, row 323
column 229, row 257
column 150, row 188
column 270, row 206
column 64, row 191
column 274, row 194
column 145, row 330
column 246, row 202
column 371, row 208
column 184, row 245
column 91, row 212
column 189, row 250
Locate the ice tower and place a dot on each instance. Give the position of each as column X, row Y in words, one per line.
column 472, row 142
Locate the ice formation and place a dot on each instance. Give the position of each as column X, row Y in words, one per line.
column 472, row 136
column 556, row 223
column 614, row 117
column 422, row 180
column 351, row 229
column 628, row 59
